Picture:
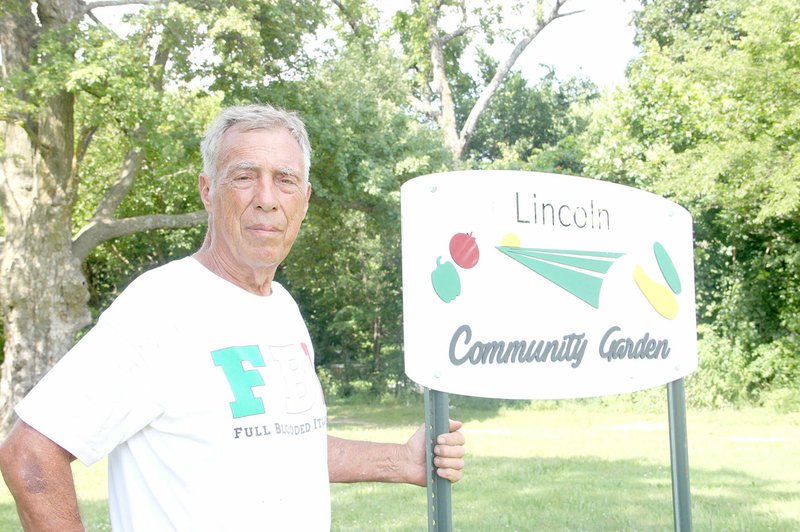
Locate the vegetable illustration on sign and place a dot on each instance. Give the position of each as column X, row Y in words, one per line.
column 465, row 253
column 658, row 295
column 464, row 250
column 446, row 282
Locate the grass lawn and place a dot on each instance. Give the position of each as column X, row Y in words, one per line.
column 562, row 466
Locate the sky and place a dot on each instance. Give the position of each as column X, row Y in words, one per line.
column 596, row 43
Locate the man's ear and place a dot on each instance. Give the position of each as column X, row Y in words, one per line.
column 204, row 185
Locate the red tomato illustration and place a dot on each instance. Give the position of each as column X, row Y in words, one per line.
column 464, row 250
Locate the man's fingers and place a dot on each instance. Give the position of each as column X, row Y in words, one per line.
column 448, row 463
column 451, row 439
column 453, row 475
column 449, row 451
column 454, row 425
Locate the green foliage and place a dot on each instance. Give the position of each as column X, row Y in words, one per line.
column 260, row 42
column 120, row 107
column 783, row 400
column 534, row 125
column 663, row 19
column 718, row 381
column 144, row 92
column 414, row 28
column 710, row 119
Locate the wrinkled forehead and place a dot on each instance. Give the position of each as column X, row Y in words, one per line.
column 234, row 152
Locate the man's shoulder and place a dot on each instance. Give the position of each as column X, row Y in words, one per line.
column 177, row 271
column 157, row 286
column 282, row 296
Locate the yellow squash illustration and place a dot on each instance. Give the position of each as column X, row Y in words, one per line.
column 656, row 293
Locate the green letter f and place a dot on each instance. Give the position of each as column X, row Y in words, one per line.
column 240, row 380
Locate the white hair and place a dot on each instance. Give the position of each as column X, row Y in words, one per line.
column 254, row 116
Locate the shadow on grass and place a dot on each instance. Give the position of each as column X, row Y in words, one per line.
column 555, row 494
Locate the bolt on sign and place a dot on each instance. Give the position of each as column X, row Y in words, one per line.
column 525, row 285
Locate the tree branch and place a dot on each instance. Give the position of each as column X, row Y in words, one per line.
column 95, row 19
column 458, row 32
column 134, row 158
column 562, row 15
column 130, row 167
column 159, row 66
column 115, row 3
column 462, row 28
column 424, row 107
column 83, row 144
column 440, row 84
column 502, row 73
column 354, row 24
column 98, row 231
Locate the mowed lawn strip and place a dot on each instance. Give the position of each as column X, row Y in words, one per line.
column 565, row 466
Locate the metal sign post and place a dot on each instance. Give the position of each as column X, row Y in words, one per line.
column 437, row 421
column 679, row 454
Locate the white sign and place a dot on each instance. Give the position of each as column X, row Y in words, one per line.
column 523, row 285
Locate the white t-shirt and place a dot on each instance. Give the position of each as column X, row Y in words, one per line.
column 205, row 399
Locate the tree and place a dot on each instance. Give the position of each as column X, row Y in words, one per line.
column 434, row 53
column 78, row 99
column 533, row 127
column 710, row 119
column 344, row 268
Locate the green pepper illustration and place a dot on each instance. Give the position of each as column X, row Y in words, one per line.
column 445, row 281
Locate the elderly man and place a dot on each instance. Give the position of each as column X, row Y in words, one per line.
column 198, row 382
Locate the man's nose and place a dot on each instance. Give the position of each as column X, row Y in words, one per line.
column 266, row 197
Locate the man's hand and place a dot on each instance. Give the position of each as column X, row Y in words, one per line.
column 448, row 455
column 362, row 461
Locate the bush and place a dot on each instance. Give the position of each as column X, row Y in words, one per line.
column 774, row 367
column 728, row 376
column 783, row 400
column 721, row 377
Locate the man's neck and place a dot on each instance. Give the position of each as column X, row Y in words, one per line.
column 256, row 281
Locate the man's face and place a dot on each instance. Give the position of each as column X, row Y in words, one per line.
column 259, row 199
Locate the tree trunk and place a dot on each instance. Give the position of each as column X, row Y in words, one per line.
column 43, row 291
column 42, row 287
column 447, row 120
column 457, row 141
column 376, row 344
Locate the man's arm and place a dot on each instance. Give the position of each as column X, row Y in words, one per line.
column 38, row 474
column 360, row 461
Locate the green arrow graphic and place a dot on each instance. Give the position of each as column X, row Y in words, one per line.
column 567, row 268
